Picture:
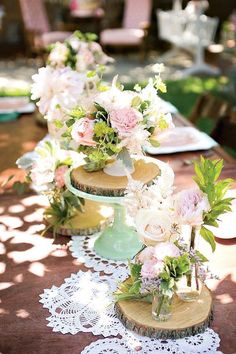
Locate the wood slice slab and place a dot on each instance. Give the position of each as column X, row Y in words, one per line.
column 95, row 217
column 100, row 183
column 188, row 318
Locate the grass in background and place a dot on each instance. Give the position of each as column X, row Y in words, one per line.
column 14, row 92
column 184, row 93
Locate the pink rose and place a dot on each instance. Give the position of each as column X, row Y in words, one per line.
column 124, row 120
column 164, row 249
column 82, row 132
column 87, row 56
column 190, row 205
column 60, row 176
column 146, row 254
column 151, row 269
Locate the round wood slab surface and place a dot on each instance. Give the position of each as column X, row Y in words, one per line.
column 94, row 218
column 100, row 183
column 188, row 318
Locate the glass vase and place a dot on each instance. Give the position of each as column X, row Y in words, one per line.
column 189, row 287
column 161, row 307
column 118, row 169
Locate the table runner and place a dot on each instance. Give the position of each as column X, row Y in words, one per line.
column 83, row 303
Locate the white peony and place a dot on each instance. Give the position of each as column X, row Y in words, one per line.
column 114, row 98
column 135, row 140
column 53, row 87
column 158, row 196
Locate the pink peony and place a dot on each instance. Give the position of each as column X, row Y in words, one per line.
column 60, row 176
column 164, row 249
column 82, row 132
column 146, row 254
column 151, row 269
column 190, row 205
column 124, row 120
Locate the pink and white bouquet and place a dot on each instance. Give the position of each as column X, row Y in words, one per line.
column 80, row 52
column 159, row 213
column 156, row 270
column 46, row 169
column 47, row 165
column 119, row 123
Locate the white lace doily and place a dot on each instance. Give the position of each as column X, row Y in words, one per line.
column 82, row 248
column 83, row 303
column 206, row 343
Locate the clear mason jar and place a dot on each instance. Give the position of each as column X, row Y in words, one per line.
column 161, row 307
column 189, row 287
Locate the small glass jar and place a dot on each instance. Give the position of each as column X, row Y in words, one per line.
column 189, row 288
column 161, row 307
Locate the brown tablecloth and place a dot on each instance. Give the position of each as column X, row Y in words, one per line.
column 31, row 263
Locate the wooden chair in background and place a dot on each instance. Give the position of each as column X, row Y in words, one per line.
column 136, row 21
column 225, row 131
column 37, row 28
column 209, row 106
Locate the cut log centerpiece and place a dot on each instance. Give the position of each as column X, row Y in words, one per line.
column 100, row 183
column 188, row 318
column 94, row 218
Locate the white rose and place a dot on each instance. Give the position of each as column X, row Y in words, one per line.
column 153, row 226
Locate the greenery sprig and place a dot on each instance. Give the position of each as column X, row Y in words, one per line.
column 207, row 178
column 63, row 207
column 174, row 269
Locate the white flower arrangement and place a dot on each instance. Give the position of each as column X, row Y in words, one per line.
column 47, row 165
column 80, row 52
column 159, row 213
column 56, row 88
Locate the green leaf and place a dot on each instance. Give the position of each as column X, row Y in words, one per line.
column 124, row 156
column 201, row 256
column 70, row 122
column 58, row 124
column 136, row 101
column 154, row 142
column 208, row 237
column 135, row 270
column 99, row 108
column 91, row 74
column 20, row 187
column 135, row 288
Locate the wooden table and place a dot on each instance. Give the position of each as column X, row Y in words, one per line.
column 30, row 263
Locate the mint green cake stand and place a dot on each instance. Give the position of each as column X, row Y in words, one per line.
column 119, row 241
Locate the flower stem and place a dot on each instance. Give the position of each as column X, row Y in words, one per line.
column 192, row 246
column 160, row 303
